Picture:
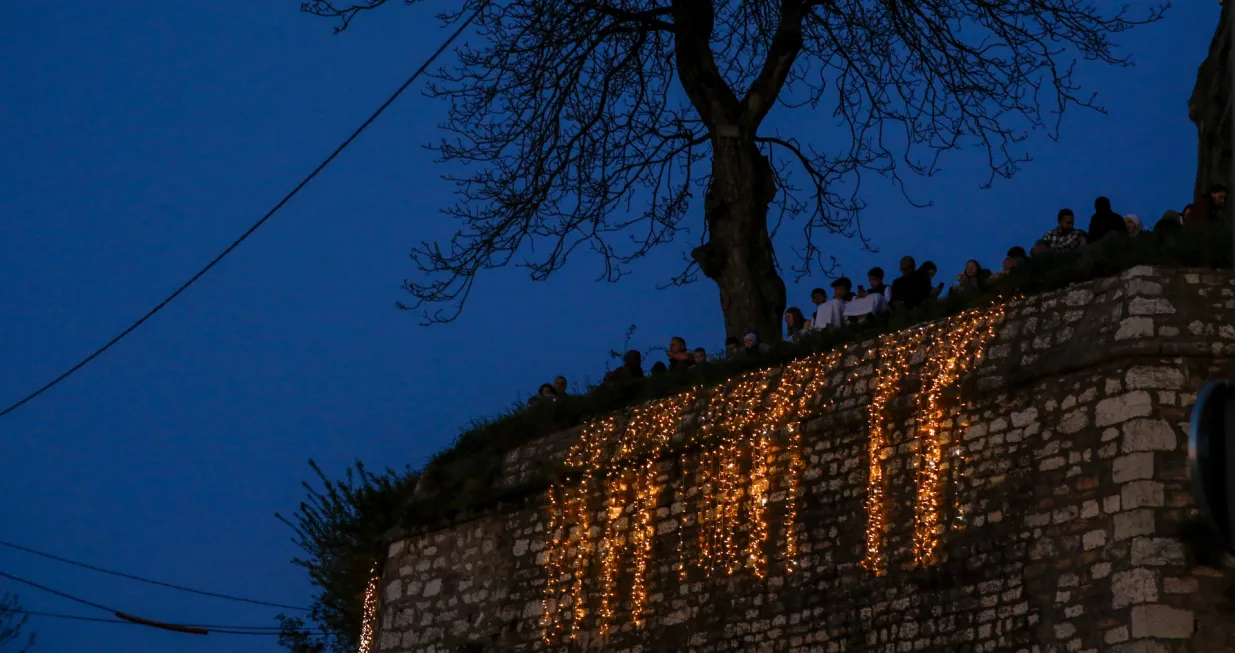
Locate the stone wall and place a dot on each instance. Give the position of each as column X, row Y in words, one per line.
column 1065, row 494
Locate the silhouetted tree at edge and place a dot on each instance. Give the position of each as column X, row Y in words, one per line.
column 592, row 123
column 12, row 622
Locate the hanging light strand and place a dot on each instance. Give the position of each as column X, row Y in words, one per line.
column 369, row 612
column 956, row 343
column 895, row 354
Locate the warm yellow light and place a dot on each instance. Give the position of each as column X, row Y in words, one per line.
column 746, row 435
column 369, row 614
column 895, row 352
column 955, row 344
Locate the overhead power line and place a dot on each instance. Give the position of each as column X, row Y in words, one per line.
column 140, row 579
column 126, row 618
column 213, row 628
column 75, row 599
column 112, row 620
column 286, row 198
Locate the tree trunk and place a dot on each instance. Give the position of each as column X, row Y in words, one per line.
column 738, row 255
column 1210, row 109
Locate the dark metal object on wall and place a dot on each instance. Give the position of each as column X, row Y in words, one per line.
column 1211, row 454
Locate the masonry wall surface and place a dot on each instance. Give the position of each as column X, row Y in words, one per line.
column 1067, row 503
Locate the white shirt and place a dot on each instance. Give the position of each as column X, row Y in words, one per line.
column 868, row 305
column 829, row 314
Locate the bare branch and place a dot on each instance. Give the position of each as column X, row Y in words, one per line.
column 589, row 124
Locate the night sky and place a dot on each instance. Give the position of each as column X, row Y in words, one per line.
column 140, row 138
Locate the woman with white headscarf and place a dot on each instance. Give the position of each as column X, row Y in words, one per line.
column 1134, row 224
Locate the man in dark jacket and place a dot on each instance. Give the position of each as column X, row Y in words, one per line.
column 912, row 288
column 1210, row 209
column 1105, row 221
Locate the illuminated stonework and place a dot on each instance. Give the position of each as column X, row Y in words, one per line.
column 957, row 343
column 369, row 615
column 895, row 352
column 612, row 475
column 742, row 449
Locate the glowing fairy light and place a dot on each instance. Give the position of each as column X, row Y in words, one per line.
column 642, row 533
column 680, row 496
column 895, row 352
column 746, row 439
column 957, row 342
column 611, row 549
column 369, row 614
column 791, row 499
column 757, row 505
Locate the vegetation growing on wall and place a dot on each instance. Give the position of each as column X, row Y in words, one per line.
column 341, row 529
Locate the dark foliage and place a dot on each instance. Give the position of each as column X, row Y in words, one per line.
column 12, row 622
column 342, row 528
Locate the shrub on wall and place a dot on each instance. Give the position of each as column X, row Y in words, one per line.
column 341, row 529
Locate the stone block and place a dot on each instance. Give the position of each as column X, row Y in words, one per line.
column 1134, row 523
column 1142, row 646
column 1074, row 421
column 1183, row 585
column 1093, row 540
column 1158, row 551
column 1150, row 306
column 432, row 588
column 1024, row 418
column 1122, row 408
column 1152, row 377
column 1138, row 271
column 1148, row 435
column 1135, row 327
column 1133, row 467
column 1162, row 622
column 1142, row 494
column 1132, row 587
column 1143, row 288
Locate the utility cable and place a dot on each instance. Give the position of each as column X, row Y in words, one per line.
column 286, row 198
column 125, row 617
column 160, row 583
column 112, row 620
column 75, row 599
column 219, row 629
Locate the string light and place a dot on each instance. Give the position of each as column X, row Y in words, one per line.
column 611, row 549
column 680, row 495
column 611, row 476
column 955, row 343
column 791, row 499
column 643, row 532
column 587, row 456
column 761, row 459
column 895, row 355
column 369, row 613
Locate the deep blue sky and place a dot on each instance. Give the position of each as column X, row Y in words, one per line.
column 141, row 137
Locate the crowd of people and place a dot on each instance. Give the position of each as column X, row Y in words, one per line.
column 916, row 286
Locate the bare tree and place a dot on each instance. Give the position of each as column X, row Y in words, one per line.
column 12, row 621
column 592, row 123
